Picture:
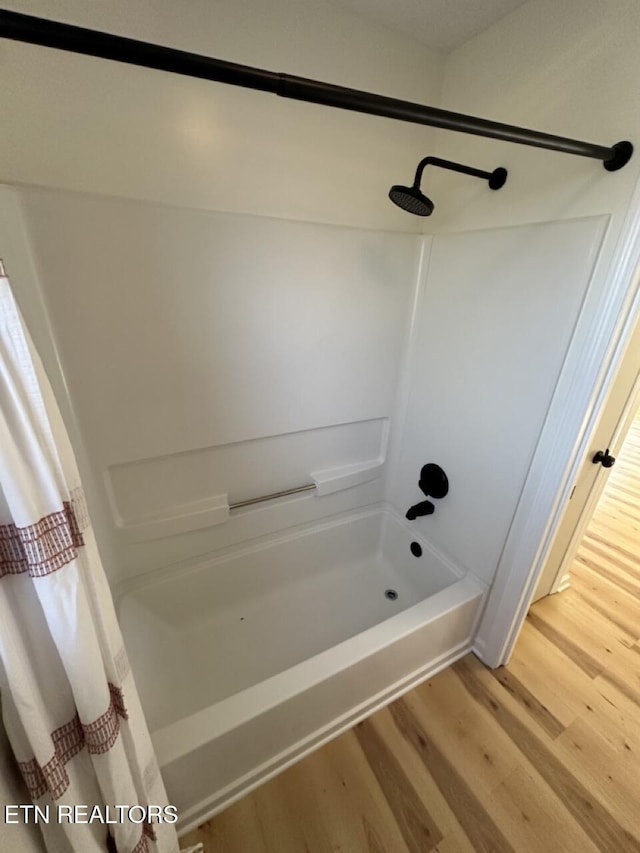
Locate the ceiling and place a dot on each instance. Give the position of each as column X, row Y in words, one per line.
column 440, row 24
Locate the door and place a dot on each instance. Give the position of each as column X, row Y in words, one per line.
column 616, row 416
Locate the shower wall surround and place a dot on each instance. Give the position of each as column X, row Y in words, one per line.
column 494, row 324
column 228, row 356
column 220, row 355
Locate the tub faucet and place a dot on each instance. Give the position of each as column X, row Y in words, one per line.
column 422, row 508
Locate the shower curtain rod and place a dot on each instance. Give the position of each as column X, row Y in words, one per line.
column 48, row 33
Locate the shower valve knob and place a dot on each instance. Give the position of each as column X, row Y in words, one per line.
column 605, row 459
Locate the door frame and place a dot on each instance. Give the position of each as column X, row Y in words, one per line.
column 590, row 366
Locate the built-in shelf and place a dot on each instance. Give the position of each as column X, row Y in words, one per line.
column 215, row 510
column 181, row 519
column 179, row 493
column 346, row 477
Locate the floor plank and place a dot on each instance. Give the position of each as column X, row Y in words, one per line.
column 541, row 665
column 580, row 800
column 538, row 756
column 421, row 779
column 477, row 822
column 609, row 769
column 419, row 830
column 536, row 815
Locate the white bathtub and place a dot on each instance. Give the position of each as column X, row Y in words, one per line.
column 252, row 658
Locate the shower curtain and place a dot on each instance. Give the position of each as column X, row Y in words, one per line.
column 69, row 702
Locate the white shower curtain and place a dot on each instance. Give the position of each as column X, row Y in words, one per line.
column 69, row 702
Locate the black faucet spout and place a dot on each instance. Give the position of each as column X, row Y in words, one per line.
column 422, row 508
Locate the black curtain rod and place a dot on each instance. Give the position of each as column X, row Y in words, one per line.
column 41, row 31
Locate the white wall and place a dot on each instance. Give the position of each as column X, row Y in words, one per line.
column 91, row 125
column 567, row 68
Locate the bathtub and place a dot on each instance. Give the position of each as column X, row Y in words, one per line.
column 249, row 659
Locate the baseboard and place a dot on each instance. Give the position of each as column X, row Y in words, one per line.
column 564, row 583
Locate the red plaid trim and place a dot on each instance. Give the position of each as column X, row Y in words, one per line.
column 142, row 846
column 101, row 735
column 117, row 700
column 40, row 548
column 69, row 740
column 149, row 831
column 33, row 777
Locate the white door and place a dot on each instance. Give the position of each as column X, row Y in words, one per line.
column 616, row 416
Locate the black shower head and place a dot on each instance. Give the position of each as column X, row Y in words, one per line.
column 411, row 200
column 414, row 201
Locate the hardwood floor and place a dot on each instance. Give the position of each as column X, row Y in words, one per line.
column 541, row 755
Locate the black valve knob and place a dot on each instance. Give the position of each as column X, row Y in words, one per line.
column 605, row 459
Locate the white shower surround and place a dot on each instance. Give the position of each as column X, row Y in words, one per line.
column 271, row 649
column 370, row 383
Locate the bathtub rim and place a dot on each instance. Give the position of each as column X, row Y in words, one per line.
column 188, row 734
column 224, row 797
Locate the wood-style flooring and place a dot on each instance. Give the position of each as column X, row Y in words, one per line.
column 540, row 755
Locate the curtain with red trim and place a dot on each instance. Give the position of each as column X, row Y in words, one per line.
column 69, row 701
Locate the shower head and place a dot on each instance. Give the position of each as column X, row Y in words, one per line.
column 411, row 200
